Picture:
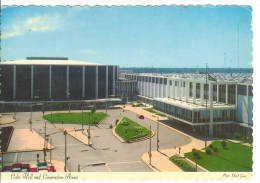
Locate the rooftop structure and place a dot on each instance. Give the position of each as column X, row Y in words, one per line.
column 48, row 61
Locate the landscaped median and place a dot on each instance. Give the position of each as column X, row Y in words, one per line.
column 150, row 109
column 223, row 156
column 76, row 118
column 130, row 131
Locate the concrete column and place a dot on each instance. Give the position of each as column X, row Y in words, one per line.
column 107, row 81
column 247, row 102
column 158, row 88
column 236, row 95
column 180, row 90
column 226, row 93
column 14, row 81
column 187, row 86
column 192, row 116
column 32, row 81
column 173, row 89
column 96, row 81
column 114, row 79
column 68, row 81
column 217, row 93
column 201, row 93
column 211, row 109
column 50, row 75
column 83, row 81
column 194, row 92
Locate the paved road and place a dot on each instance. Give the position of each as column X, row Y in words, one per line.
column 117, row 156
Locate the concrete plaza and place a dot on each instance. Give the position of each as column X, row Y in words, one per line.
column 107, row 152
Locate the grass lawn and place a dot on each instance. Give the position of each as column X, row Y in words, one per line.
column 235, row 157
column 152, row 111
column 75, row 118
column 129, row 129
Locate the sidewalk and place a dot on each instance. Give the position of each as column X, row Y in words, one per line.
column 160, row 161
column 26, row 140
column 6, row 120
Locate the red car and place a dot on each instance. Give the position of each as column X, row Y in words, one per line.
column 7, row 169
column 141, row 117
column 33, row 170
column 51, row 169
column 17, row 167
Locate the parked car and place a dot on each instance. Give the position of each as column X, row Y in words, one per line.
column 25, row 167
column 141, row 117
column 43, row 163
column 7, row 169
column 33, row 170
column 17, row 167
column 51, row 169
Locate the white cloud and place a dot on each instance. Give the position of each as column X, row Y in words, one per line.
column 41, row 23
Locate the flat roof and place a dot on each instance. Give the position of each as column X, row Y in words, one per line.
column 48, row 62
column 191, row 106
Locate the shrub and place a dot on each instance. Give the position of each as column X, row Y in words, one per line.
column 215, row 149
column 250, row 139
column 224, row 144
column 195, row 153
column 237, row 136
column 211, row 146
column 208, row 151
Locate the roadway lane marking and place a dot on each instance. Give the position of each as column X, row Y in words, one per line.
column 124, row 162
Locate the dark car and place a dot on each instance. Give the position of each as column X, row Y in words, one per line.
column 17, row 167
column 141, row 117
column 7, row 169
column 43, row 163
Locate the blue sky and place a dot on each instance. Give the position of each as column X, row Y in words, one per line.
column 166, row 36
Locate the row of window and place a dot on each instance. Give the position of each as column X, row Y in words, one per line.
column 198, row 116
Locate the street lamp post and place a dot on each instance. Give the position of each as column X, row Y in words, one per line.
column 82, row 117
column 157, row 133
column 65, row 159
column 150, row 147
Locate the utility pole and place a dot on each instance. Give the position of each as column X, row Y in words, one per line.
column 78, row 167
column 31, row 119
column 82, row 117
column 65, row 159
column 157, row 133
column 150, row 147
column 89, row 129
column 206, row 104
column 44, row 149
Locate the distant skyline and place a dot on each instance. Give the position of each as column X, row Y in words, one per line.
column 165, row 36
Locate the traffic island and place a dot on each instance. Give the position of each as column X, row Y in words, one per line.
column 78, row 135
column 129, row 131
column 24, row 140
column 85, row 118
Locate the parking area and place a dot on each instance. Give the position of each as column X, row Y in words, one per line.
column 106, row 154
